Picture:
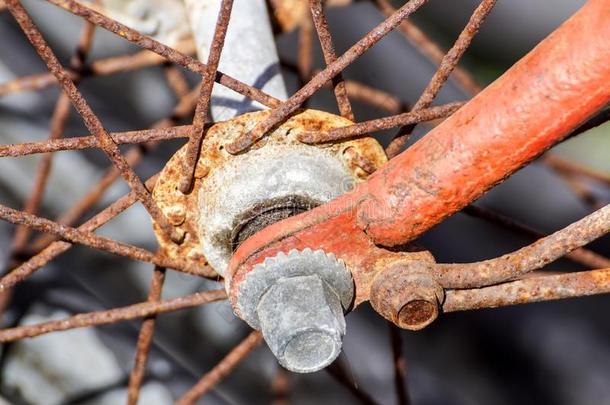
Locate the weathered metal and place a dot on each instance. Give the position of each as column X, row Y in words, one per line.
column 534, row 105
column 227, row 188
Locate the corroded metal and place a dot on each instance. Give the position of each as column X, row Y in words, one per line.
column 535, row 104
column 184, row 211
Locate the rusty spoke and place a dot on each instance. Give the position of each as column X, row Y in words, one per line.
column 529, row 258
column 328, row 49
column 86, row 238
column 167, row 52
column 222, row 369
column 338, row 372
column 194, row 145
column 280, row 387
column 59, row 120
column 133, row 156
column 126, row 313
column 400, row 365
column 529, row 290
column 429, row 48
column 581, row 255
column 102, row 67
column 145, row 338
column 91, row 121
column 364, row 128
column 447, row 65
column 91, row 141
column 284, row 109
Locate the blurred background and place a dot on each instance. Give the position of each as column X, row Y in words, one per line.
column 545, row 353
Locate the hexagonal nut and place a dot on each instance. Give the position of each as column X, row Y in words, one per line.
column 302, row 322
column 407, row 295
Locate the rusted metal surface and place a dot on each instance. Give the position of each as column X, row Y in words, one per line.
column 101, row 67
column 406, row 294
column 446, row 66
column 284, row 109
column 91, row 121
column 581, row 256
column 280, row 387
column 429, row 48
column 347, row 379
column 184, row 210
column 524, row 260
column 201, row 112
column 163, row 50
column 328, row 49
column 126, row 313
column 535, row 104
column 222, row 369
column 59, row 119
column 534, row 289
column 362, row 128
column 400, row 366
column 91, row 141
column 145, row 338
column 89, row 239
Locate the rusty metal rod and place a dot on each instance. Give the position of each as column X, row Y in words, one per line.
column 91, row 121
column 163, row 50
column 581, row 255
column 145, row 338
column 90, row 239
column 203, row 104
column 126, row 313
column 328, row 49
column 286, row 108
column 528, row 258
column 440, row 77
column 529, row 290
column 364, row 128
column 222, row 369
column 91, row 141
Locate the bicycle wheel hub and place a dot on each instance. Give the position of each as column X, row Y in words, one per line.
column 235, row 196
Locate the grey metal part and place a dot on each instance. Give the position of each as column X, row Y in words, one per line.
column 271, row 172
column 296, row 263
column 249, row 53
column 302, row 322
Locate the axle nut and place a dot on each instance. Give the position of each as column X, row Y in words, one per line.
column 302, row 322
column 407, row 295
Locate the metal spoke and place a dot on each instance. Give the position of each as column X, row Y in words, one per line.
column 163, row 50
column 91, row 121
column 145, row 339
column 429, row 48
column 328, row 49
column 284, row 109
column 524, row 260
column 364, row 128
column 59, row 120
column 447, row 65
column 75, row 235
column 581, row 255
column 91, row 141
column 400, row 365
column 222, row 369
column 201, row 112
column 126, row 313
column 529, row 290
